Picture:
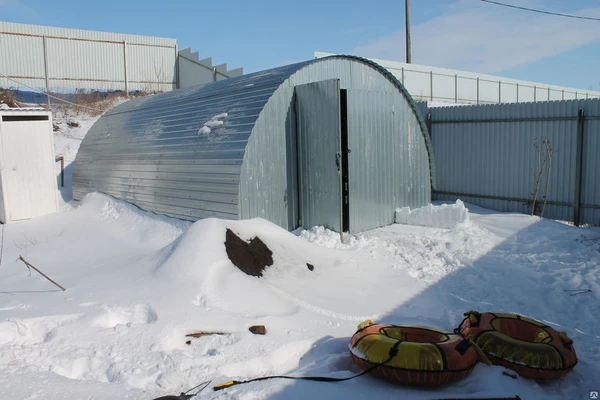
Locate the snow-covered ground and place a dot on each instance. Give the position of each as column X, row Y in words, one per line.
column 137, row 283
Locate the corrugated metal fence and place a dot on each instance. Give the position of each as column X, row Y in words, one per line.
column 59, row 58
column 489, row 155
column 447, row 85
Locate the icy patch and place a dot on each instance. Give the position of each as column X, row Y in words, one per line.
column 442, row 216
column 214, row 122
column 32, row 330
column 136, row 314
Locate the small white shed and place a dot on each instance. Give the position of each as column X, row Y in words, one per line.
column 28, row 182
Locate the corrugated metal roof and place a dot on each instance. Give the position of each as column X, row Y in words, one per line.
column 180, row 153
column 163, row 160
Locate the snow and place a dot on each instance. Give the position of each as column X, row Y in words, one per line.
column 214, row 122
column 443, row 216
column 138, row 283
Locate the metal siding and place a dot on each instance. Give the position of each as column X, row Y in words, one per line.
column 266, row 147
column 85, row 34
column 85, row 59
column 190, row 74
column 502, row 159
column 2, row 186
column 268, row 187
column 72, row 59
column 150, row 69
column 417, row 80
column 28, row 66
column 319, row 141
column 590, row 182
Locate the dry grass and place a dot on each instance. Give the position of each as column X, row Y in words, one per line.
column 91, row 102
column 8, row 97
column 82, row 102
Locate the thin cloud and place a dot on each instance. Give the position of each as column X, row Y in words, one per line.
column 477, row 37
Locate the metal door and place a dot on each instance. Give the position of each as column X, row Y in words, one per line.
column 319, row 157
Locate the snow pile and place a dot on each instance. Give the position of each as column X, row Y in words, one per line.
column 437, row 216
column 138, row 283
column 214, row 122
column 324, row 237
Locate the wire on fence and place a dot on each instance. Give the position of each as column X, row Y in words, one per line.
column 49, row 95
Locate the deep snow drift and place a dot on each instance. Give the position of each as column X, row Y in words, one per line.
column 137, row 283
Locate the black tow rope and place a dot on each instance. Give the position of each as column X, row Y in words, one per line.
column 393, row 353
column 484, row 398
column 186, row 395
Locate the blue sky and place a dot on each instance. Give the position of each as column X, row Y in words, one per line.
column 259, row 34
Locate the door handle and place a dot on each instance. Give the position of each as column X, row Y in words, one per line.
column 337, row 160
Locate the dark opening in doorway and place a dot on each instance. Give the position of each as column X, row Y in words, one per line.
column 345, row 151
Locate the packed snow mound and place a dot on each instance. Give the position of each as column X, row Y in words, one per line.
column 324, row 237
column 110, row 317
column 144, row 225
column 436, row 216
column 299, row 278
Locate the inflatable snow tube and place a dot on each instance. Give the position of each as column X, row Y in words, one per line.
column 528, row 347
column 412, row 355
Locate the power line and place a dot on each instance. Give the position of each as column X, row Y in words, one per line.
column 541, row 11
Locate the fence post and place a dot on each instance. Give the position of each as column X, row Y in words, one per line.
column 431, row 85
column 478, row 90
column 517, row 92
column 46, row 70
column 402, row 76
column 499, row 92
column 429, row 125
column 455, row 88
column 177, row 85
column 578, row 168
column 125, row 67
column 535, row 93
column 548, row 94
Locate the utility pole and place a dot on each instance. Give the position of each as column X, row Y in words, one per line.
column 407, row 13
